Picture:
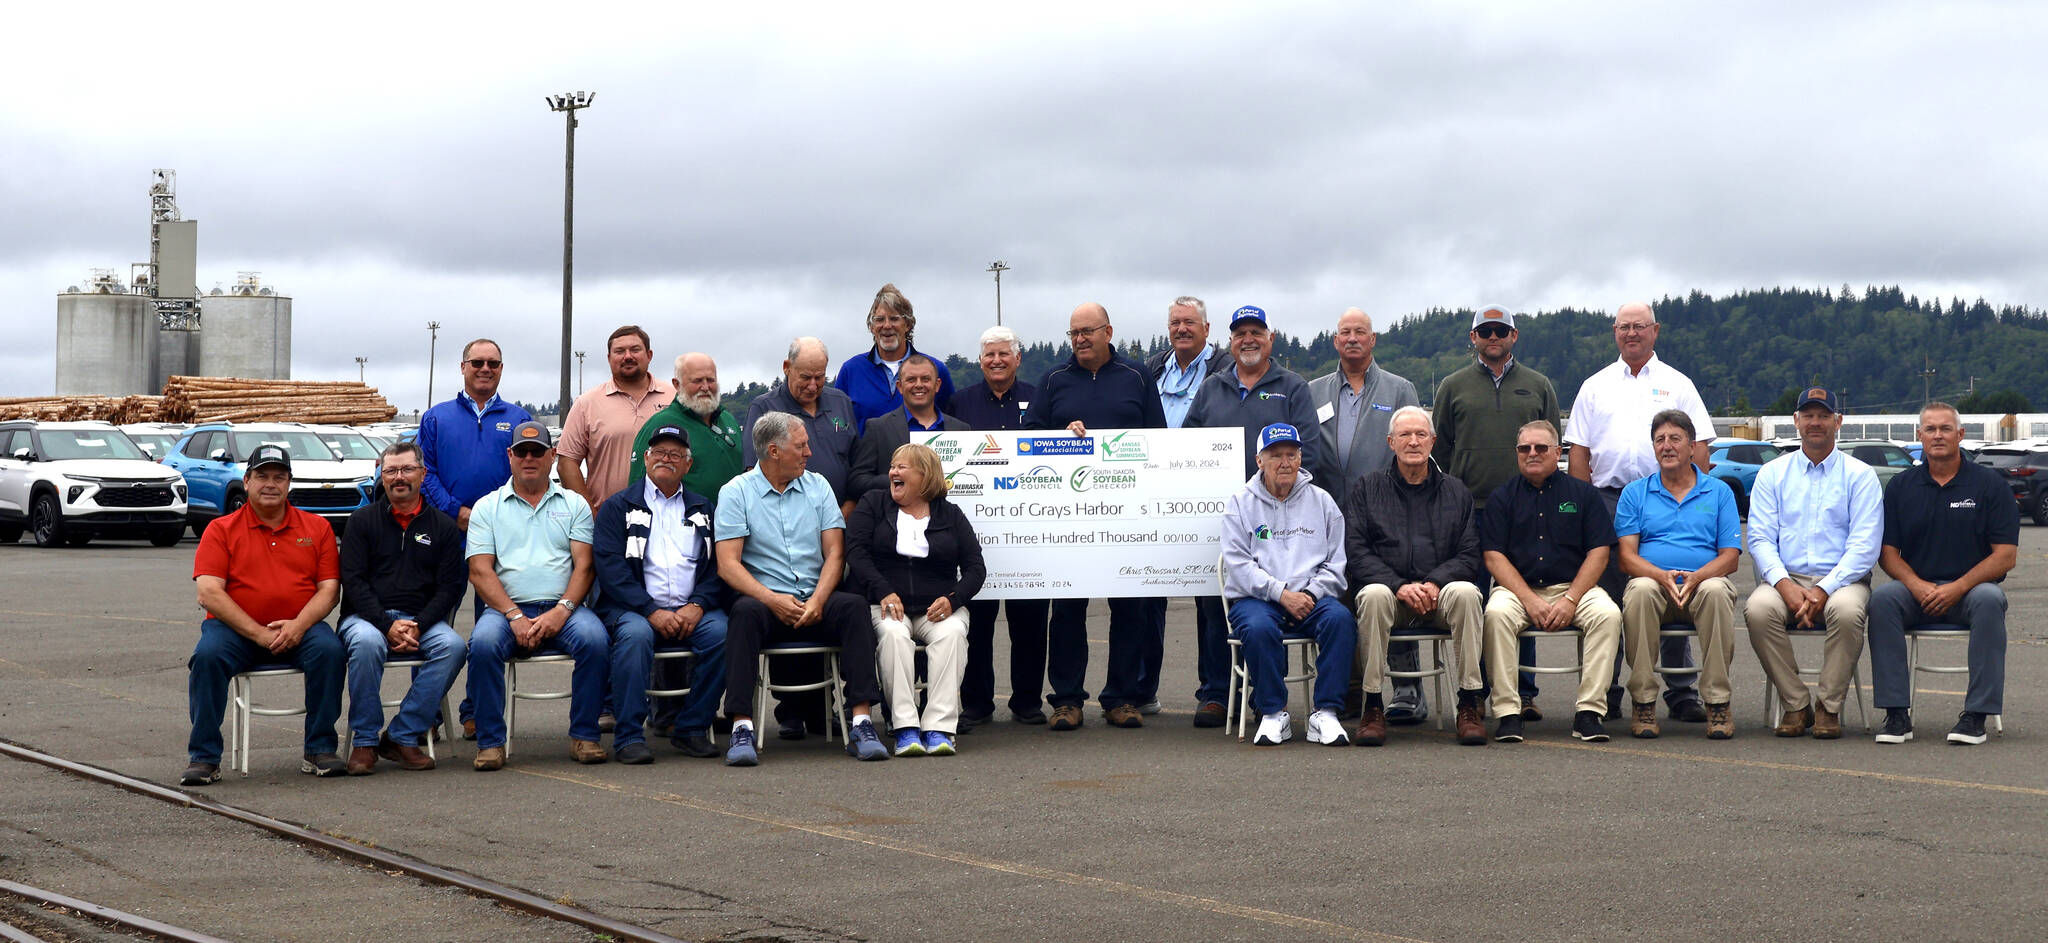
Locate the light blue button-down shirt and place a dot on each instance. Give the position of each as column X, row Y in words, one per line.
column 531, row 541
column 1823, row 520
column 784, row 530
column 1177, row 387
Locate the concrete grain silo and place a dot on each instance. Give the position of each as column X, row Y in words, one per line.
column 107, row 343
column 246, row 332
column 177, row 355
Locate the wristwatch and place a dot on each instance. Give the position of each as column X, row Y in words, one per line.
column 566, row 604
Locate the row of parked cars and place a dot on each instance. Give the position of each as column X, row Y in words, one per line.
column 67, row 483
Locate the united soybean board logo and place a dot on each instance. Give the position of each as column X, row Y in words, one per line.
column 949, row 450
column 1089, row 478
column 1125, row 447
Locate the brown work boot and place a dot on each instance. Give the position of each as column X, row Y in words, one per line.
column 1066, row 717
column 1210, row 714
column 489, row 758
column 1794, row 723
column 362, row 761
column 407, row 758
column 469, row 729
column 1720, row 722
column 1643, row 723
column 1827, row 725
column 1372, row 725
column 1124, row 715
column 587, row 752
column 1530, row 712
column 1471, row 728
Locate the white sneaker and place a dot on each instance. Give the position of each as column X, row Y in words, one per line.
column 1326, row 729
column 1274, row 729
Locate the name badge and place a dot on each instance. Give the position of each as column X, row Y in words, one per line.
column 1326, row 412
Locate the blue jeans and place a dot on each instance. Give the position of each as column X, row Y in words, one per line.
column 368, row 649
column 582, row 638
column 634, row 642
column 1212, row 651
column 223, row 653
column 1260, row 625
column 1982, row 610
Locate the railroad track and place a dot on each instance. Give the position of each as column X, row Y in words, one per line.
column 382, row 859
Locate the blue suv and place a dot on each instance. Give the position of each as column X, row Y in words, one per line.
column 211, row 458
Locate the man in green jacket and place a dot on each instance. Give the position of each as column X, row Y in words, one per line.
column 714, row 433
column 1479, row 411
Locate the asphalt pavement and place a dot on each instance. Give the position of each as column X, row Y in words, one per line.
column 1160, row 833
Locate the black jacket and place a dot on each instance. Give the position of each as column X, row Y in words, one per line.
column 1119, row 395
column 870, row 468
column 419, row 570
column 622, row 561
column 1397, row 533
column 1219, row 361
column 953, row 570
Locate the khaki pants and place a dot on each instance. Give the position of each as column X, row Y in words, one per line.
column 1458, row 611
column 945, row 664
column 1710, row 609
column 1846, row 615
column 1597, row 618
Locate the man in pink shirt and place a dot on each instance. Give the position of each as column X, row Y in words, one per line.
column 595, row 454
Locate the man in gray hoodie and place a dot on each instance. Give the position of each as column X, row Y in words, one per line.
column 1283, row 577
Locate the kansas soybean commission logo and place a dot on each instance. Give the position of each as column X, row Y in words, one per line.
column 1089, row 478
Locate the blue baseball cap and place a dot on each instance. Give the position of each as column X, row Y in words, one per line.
column 1276, row 434
column 1819, row 395
column 1247, row 313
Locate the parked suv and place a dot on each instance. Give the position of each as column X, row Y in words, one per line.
column 2026, row 469
column 211, row 457
column 68, row 482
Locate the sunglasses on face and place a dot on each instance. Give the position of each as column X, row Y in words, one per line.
column 1536, row 449
column 1491, row 330
column 481, row 364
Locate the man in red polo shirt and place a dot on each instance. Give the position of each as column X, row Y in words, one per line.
column 268, row 574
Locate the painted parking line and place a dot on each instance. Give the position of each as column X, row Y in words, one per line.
column 90, row 617
column 1792, row 767
column 1122, row 888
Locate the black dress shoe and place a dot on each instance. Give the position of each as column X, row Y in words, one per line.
column 790, row 730
column 694, row 744
column 1689, row 711
column 635, row 754
column 971, row 721
column 1033, row 717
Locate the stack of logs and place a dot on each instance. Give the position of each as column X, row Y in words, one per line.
column 114, row 409
column 233, row 399
column 216, row 399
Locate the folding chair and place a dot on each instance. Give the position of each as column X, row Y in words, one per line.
column 1772, row 707
column 513, row 695
column 835, row 694
column 674, row 654
column 1437, row 639
column 447, row 704
column 242, row 709
column 1938, row 630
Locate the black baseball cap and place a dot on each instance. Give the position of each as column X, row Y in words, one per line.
column 268, row 454
column 670, row 434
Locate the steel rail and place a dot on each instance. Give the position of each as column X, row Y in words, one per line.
column 382, row 858
column 108, row 914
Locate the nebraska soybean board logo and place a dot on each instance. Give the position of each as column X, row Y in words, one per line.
column 1089, row 478
column 965, row 484
column 1125, row 447
column 949, row 450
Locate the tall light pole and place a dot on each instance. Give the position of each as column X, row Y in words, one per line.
column 360, row 361
column 999, row 268
column 579, row 369
column 567, row 103
column 433, row 334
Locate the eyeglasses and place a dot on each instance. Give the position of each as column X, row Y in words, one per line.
column 1078, row 333
column 404, row 470
column 667, row 455
column 482, row 364
column 1633, row 328
column 1493, row 330
column 1533, row 449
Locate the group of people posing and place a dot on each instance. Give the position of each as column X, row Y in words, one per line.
column 681, row 542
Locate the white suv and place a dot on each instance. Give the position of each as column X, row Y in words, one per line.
column 68, row 482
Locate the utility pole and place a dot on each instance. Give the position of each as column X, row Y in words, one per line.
column 433, row 334
column 360, row 361
column 1926, row 380
column 999, row 268
column 579, row 370
column 567, row 103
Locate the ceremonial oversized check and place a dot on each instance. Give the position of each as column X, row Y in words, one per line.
column 1116, row 512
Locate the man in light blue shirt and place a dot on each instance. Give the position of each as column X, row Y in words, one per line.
column 1815, row 519
column 781, row 550
column 530, row 561
column 1680, row 539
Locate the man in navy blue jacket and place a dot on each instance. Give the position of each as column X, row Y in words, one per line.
column 870, row 378
column 659, row 588
column 1102, row 389
column 464, row 443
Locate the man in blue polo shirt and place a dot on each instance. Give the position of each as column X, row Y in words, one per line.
column 1545, row 536
column 529, row 559
column 1951, row 534
column 1680, row 539
column 870, row 378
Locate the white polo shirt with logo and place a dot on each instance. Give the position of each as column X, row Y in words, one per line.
column 1611, row 417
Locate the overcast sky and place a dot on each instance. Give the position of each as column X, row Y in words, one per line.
column 743, row 179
